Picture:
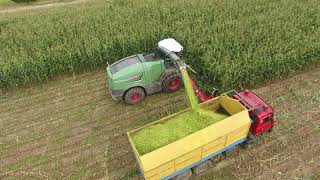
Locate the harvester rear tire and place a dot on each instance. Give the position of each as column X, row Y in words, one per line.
column 134, row 95
column 183, row 176
column 172, row 82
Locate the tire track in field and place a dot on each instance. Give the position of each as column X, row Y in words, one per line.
column 296, row 131
column 46, row 89
column 41, row 109
column 45, row 96
column 30, row 115
column 61, row 118
column 101, row 93
column 78, row 133
column 24, row 94
column 71, row 136
column 271, row 148
column 86, row 123
column 74, row 135
column 75, row 108
column 66, row 108
column 277, row 154
column 298, row 161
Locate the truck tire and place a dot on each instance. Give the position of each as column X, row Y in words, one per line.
column 230, row 152
column 248, row 143
column 134, row 95
column 270, row 130
column 172, row 83
column 245, row 144
column 183, row 176
column 202, row 167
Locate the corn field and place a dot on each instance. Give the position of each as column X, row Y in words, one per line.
column 230, row 43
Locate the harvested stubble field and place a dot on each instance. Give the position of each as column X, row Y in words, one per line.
column 70, row 127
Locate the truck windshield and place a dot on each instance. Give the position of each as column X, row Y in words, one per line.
column 267, row 119
column 124, row 63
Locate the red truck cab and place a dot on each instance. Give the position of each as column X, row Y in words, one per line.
column 259, row 111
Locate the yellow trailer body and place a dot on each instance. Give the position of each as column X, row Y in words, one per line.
column 185, row 153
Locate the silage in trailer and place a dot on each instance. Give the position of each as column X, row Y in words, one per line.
column 175, row 128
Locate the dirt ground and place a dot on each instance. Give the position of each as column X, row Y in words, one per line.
column 37, row 5
column 70, row 127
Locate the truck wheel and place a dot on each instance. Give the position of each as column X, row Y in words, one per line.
column 230, row 152
column 172, row 82
column 245, row 144
column 202, row 167
column 134, row 95
column 183, row 176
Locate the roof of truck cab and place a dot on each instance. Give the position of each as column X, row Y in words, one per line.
column 261, row 107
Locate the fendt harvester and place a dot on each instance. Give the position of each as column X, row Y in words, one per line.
column 242, row 117
column 133, row 77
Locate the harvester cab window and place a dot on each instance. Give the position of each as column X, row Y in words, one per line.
column 125, row 63
column 159, row 54
column 167, row 60
column 151, row 57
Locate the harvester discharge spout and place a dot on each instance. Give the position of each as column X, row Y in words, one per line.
column 185, row 76
column 189, row 88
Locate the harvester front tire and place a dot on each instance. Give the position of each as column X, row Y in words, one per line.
column 134, row 95
column 172, row 83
